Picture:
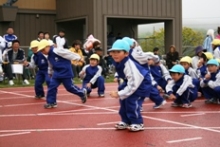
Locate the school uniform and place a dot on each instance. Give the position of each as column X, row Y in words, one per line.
column 94, row 76
column 161, row 75
column 211, row 87
column 61, row 71
column 216, row 53
column 136, row 84
column 141, row 58
column 184, row 90
column 40, row 60
column 192, row 73
column 202, row 71
column 9, row 38
column 60, row 42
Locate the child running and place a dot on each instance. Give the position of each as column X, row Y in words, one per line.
column 211, row 83
column 61, row 71
column 40, row 60
column 92, row 76
column 181, row 89
column 136, row 84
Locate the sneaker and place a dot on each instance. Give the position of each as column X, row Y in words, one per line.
column 136, row 127
column 176, row 105
column 161, row 104
column 84, row 97
column 26, row 82
column 49, row 106
column 11, row 82
column 166, row 96
column 186, row 105
column 211, row 101
column 102, row 95
column 39, row 96
column 121, row 126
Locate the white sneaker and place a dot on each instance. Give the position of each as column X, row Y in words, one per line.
column 11, row 82
column 26, row 82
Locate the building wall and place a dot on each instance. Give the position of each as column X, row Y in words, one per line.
column 34, row 4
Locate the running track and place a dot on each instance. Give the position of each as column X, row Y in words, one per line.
column 25, row 123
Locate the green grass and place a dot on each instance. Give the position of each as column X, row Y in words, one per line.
column 18, row 83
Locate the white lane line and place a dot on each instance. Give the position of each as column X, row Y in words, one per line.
column 26, row 104
column 184, row 140
column 7, row 92
column 14, row 134
column 107, row 123
column 196, row 114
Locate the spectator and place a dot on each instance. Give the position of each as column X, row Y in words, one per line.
column 172, row 57
column 14, row 55
column 2, row 46
column 218, row 35
column 77, row 65
column 156, row 51
column 40, row 36
column 60, row 40
column 9, row 37
column 102, row 63
column 207, row 44
column 47, row 37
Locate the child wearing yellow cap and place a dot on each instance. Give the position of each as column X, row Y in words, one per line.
column 61, row 71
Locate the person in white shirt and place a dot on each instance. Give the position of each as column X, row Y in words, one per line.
column 60, row 41
column 195, row 59
column 216, row 48
column 47, row 37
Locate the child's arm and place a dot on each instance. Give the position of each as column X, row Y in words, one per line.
column 187, row 82
column 67, row 54
column 83, row 72
column 165, row 72
column 134, row 79
column 98, row 74
column 169, row 87
column 30, row 64
column 193, row 74
column 216, row 83
column 142, row 57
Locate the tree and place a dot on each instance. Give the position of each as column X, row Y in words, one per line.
column 190, row 39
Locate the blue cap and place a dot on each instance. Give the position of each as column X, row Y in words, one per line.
column 129, row 41
column 120, row 45
column 178, row 69
column 213, row 62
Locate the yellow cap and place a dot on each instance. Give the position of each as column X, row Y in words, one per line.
column 208, row 55
column 42, row 44
column 186, row 59
column 95, row 56
column 34, row 44
column 216, row 42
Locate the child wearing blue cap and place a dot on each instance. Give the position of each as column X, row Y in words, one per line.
column 60, row 69
column 181, row 89
column 136, row 84
column 143, row 59
column 92, row 76
column 211, row 82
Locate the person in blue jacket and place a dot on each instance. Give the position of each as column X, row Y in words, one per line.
column 60, row 70
column 181, row 89
column 211, row 83
column 136, row 84
column 9, row 37
column 92, row 76
column 40, row 61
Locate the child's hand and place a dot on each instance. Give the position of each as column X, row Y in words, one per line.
column 82, row 60
column 172, row 97
column 88, row 85
column 114, row 94
column 159, row 88
column 207, row 76
column 115, row 79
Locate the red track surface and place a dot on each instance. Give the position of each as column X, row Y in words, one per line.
column 25, row 123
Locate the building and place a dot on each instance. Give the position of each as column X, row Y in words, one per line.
column 82, row 17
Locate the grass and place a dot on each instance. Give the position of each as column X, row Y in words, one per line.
column 18, row 83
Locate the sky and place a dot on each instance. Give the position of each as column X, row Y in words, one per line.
column 201, row 14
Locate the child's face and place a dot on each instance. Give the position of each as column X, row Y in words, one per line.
column 199, row 54
column 176, row 76
column 185, row 65
column 150, row 62
column 93, row 62
column 34, row 50
column 46, row 50
column 213, row 68
column 118, row 56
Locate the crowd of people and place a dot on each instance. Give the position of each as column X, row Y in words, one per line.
column 139, row 74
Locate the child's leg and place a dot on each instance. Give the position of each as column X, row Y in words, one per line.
column 100, row 83
column 208, row 93
column 122, row 112
column 38, row 86
column 140, row 102
column 155, row 97
column 84, row 85
column 70, row 87
column 188, row 96
column 52, row 91
column 47, row 79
